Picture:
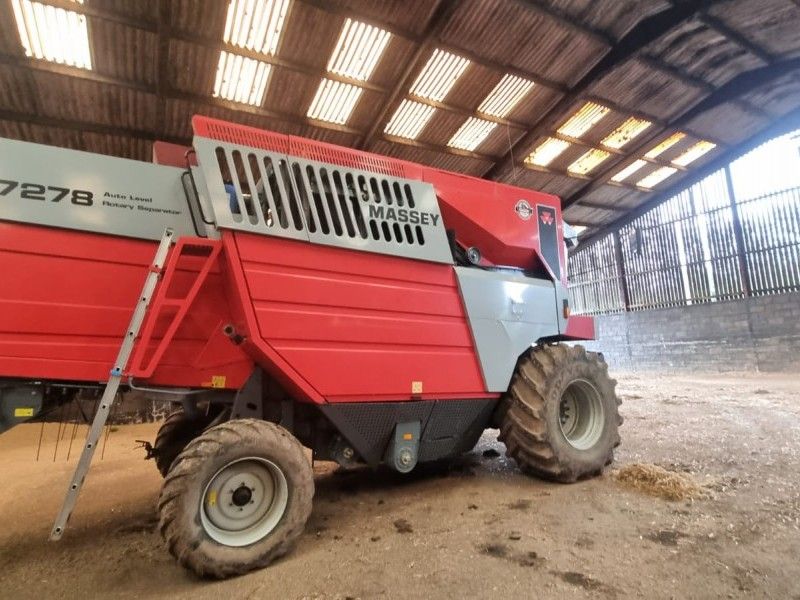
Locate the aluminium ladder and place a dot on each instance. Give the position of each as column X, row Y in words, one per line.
column 110, row 393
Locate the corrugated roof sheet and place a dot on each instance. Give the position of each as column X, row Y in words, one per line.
column 727, row 122
column 772, row 24
column 653, row 92
column 699, row 50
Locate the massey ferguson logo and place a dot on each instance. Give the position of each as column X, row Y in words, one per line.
column 402, row 215
column 546, row 217
column 523, row 210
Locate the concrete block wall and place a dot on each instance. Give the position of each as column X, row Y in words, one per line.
column 755, row 334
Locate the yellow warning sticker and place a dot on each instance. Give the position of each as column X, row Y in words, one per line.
column 212, row 497
column 23, row 412
column 218, row 381
column 416, row 387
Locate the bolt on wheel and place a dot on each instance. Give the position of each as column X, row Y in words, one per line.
column 244, row 501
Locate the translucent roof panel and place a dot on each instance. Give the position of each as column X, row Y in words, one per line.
column 439, row 75
column 505, row 96
column 256, row 24
column 241, row 79
column 471, row 134
column 588, row 161
column 547, row 152
column 583, row 120
column 334, row 101
column 629, row 170
column 656, row 177
column 623, row 134
column 665, row 145
column 53, row 34
column 358, row 50
column 409, row 119
column 693, row 153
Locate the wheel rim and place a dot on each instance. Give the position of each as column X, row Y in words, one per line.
column 581, row 415
column 244, row 501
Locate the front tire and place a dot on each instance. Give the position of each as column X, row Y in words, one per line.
column 236, row 498
column 560, row 418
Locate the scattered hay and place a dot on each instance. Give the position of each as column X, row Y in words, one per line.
column 659, row 482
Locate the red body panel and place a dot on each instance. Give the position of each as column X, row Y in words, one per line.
column 580, row 327
column 330, row 324
column 358, row 326
column 173, row 155
column 482, row 213
column 67, row 298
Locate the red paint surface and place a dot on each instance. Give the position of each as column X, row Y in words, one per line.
column 356, row 325
column 66, row 300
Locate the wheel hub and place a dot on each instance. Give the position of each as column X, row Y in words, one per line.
column 581, row 415
column 242, row 495
column 244, row 501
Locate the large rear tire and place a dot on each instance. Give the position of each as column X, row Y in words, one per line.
column 236, row 498
column 177, row 430
column 559, row 419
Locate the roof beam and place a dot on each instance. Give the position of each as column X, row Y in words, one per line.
column 87, row 127
column 737, row 38
column 697, row 82
column 31, row 65
column 676, row 73
column 736, row 87
column 742, row 84
column 602, row 206
column 503, row 67
column 276, row 61
column 329, row 7
column 165, row 33
column 644, row 33
column 658, row 122
column 440, row 149
column 416, row 39
column 579, row 223
column 780, row 126
column 568, row 21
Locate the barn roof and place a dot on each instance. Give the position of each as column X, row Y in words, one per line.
column 609, row 104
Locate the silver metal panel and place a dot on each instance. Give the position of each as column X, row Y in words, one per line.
column 264, row 212
column 373, row 211
column 507, row 314
column 44, row 185
column 321, row 202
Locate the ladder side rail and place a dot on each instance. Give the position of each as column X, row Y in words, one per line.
column 110, row 392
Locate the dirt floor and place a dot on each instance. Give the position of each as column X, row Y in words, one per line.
column 476, row 530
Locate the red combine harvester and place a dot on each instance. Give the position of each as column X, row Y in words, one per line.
column 290, row 293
